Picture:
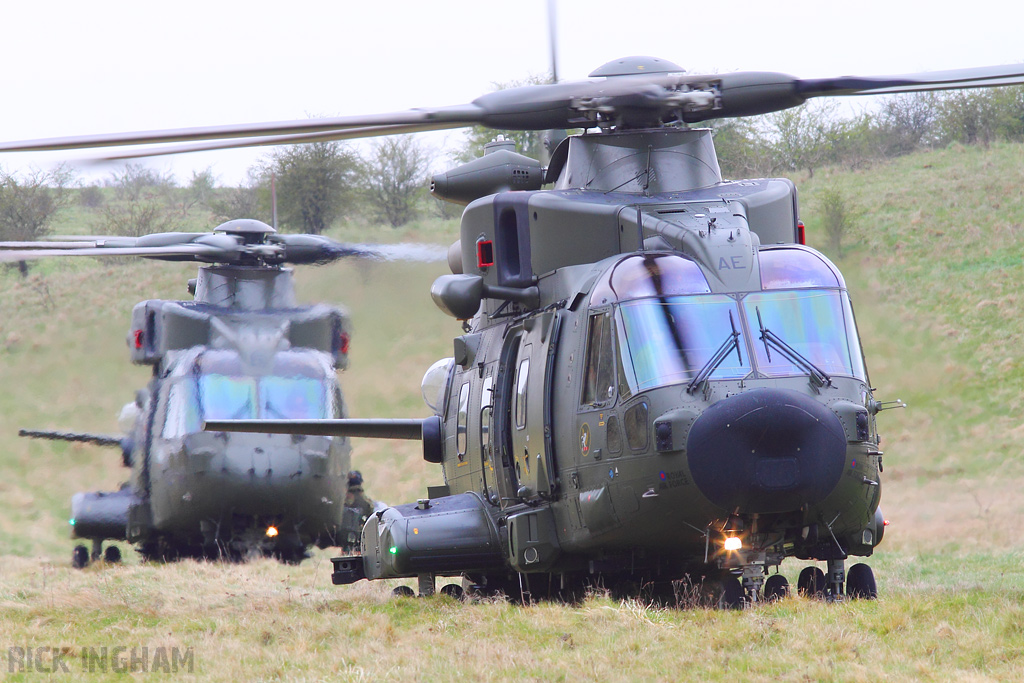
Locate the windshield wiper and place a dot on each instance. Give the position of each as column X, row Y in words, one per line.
column 244, row 411
column 274, row 411
column 731, row 342
column 818, row 376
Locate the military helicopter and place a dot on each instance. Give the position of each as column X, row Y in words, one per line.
column 659, row 387
column 242, row 347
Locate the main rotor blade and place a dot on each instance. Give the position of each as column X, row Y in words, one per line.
column 465, row 114
column 216, row 247
column 184, row 252
column 631, row 101
column 532, row 107
column 379, row 428
column 346, row 134
column 954, row 79
column 405, row 251
column 71, row 244
column 748, row 93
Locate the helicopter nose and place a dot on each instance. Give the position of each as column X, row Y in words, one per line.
column 766, row 450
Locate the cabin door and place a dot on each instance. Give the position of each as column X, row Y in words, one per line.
column 529, row 409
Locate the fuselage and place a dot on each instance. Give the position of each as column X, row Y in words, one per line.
column 207, row 488
column 657, row 380
column 666, row 399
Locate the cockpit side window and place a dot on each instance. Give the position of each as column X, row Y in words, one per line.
column 337, row 403
column 180, row 415
column 599, row 378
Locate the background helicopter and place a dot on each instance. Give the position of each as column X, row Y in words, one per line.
column 658, row 381
column 242, row 347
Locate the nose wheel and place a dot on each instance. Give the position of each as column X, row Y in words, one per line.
column 732, row 593
column 859, row 582
column 775, row 588
column 811, row 583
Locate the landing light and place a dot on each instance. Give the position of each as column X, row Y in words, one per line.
column 733, row 543
column 271, row 531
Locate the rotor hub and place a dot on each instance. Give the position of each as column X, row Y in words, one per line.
column 250, row 230
column 631, row 66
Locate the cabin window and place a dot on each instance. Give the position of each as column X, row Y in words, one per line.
column 636, row 419
column 486, row 410
column 521, row 388
column 599, row 380
column 462, row 437
column 614, row 436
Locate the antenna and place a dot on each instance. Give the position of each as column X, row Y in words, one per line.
column 553, row 38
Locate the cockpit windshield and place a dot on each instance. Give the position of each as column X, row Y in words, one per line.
column 672, row 337
column 223, row 397
column 669, row 340
column 218, row 388
column 814, row 322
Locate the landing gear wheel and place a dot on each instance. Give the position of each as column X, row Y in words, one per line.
column 860, row 582
column 212, row 552
column 776, row 587
column 80, row 557
column 149, row 551
column 493, row 585
column 662, row 593
column 811, row 583
column 291, row 555
column 403, row 592
column 627, row 589
column 732, row 593
column 452, row 590
column 112, row 554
